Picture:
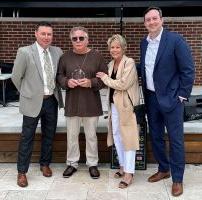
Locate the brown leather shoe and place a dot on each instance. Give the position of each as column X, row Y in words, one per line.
column 158, row 176
column 22, row 180
column 47, row 172
column 177, row 189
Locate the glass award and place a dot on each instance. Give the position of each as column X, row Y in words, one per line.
column 78, row 74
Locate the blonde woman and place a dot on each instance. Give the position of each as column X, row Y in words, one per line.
column 123, row 92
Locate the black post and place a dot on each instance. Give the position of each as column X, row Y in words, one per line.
column 121, row 21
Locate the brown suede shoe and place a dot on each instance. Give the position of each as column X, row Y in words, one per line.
column 177, row 189
column 22, row 180
column 47, row 172
column 158, row 176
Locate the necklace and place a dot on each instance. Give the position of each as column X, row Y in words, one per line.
column 78, row 73
column 82, row 63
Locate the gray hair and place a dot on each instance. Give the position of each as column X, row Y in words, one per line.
column 78, row 28
column 120, row 39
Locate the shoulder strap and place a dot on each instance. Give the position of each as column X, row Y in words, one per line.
column 126, row 90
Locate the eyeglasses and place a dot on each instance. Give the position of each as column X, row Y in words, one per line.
column 81, row 38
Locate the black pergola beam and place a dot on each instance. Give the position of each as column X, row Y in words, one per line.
column 97, row 4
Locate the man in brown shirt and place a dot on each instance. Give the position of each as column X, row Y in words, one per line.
column 77, row 74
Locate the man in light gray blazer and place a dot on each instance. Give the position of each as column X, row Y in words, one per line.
column 34, row 72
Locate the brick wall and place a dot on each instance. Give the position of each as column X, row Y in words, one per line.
column 17, row 32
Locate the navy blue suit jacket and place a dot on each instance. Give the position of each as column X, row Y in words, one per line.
column 173, row 73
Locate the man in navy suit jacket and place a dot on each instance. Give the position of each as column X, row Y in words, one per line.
column 167, row 72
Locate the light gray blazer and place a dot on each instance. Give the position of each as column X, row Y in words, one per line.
column 27, row 76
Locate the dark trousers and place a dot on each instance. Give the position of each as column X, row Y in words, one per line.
column 173, row 121
column 48, row 116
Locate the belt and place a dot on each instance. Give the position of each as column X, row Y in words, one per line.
column 46, row 96
column 150, row 91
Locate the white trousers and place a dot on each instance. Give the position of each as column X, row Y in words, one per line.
column 126, row 158
column 73, row 130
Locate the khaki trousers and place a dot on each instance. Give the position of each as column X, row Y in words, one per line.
column 73, row 130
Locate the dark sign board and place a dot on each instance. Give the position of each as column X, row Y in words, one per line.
column 141, row 156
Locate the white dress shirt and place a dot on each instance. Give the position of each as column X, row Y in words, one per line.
column 150, row 58
column 41, row 56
